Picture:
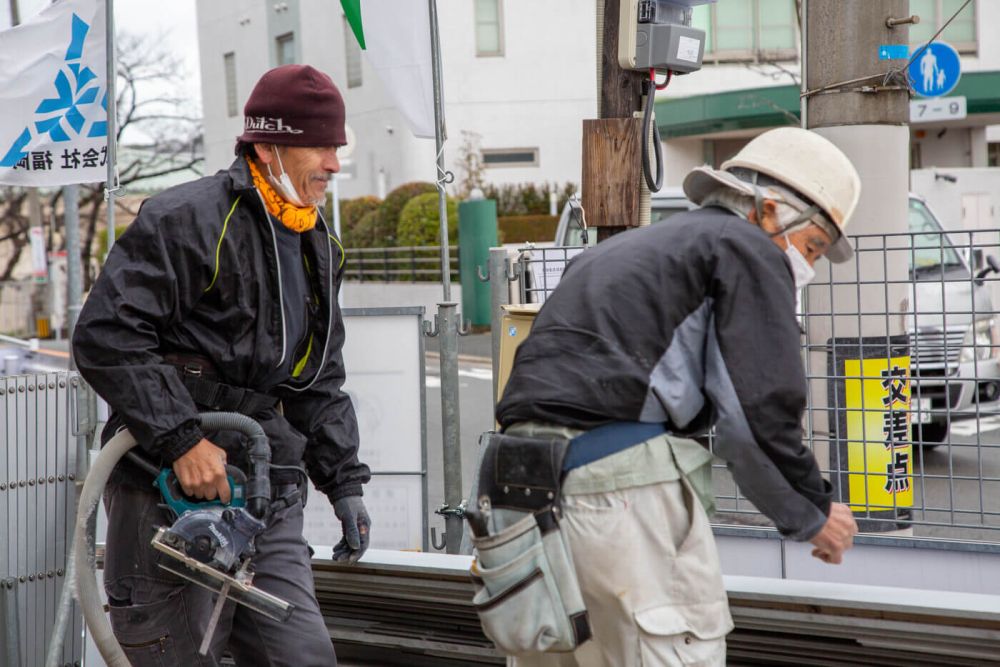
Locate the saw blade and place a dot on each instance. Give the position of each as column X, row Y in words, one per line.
column 241, row 592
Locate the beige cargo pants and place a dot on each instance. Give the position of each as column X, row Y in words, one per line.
column 647, row 565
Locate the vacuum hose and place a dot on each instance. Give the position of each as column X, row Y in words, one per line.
column 82, row 563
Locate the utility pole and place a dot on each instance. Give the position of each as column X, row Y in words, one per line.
column 611, row 149
column 861, row 104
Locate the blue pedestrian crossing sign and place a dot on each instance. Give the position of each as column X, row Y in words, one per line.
column 936, row 70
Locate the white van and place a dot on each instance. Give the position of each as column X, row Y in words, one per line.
column 953, row 327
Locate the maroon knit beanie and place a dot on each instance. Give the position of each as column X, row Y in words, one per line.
column 294, row 105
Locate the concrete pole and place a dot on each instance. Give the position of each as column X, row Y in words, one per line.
column 869, row 122
column 867, row 118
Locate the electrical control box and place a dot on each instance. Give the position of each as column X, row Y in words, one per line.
column 657, row 34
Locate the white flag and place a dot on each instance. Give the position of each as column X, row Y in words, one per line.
column 53, row 97
column 396, row 38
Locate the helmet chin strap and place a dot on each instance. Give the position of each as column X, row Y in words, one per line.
column 758, row 202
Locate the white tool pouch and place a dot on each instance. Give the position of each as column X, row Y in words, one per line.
column 527, row 594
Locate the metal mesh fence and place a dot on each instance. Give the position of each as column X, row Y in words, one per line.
column 900, row 348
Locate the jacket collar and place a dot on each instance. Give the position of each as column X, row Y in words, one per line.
column 239, row 174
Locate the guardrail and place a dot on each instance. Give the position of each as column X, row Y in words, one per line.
column 398, row 264
column 901, row 348
column 415, row 609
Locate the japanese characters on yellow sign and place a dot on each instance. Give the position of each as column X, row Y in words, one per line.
column 879, row 448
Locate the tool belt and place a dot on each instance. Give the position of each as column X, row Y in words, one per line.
column 199, row 375
column 525, row 473
column 527, row 594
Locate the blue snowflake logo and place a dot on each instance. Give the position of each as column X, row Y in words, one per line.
column 61, row 114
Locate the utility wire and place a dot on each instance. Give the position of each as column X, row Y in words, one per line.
column 892, row 73
column 936, row 35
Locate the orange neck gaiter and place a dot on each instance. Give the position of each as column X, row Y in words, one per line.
column 297, row 218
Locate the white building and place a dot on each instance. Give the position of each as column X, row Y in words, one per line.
column 519, row 73
column 522, row 74
column 749, row 83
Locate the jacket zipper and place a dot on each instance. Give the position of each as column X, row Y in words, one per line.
column 331, row 301
column 277, row 261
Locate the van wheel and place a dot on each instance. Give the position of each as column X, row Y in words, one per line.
column 929, row 436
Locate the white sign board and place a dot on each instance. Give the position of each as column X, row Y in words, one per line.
column 382, row 355
column 938, row 109
column 39, row 265
column 546, row 270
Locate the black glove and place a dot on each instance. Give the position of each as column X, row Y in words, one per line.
column 356, row 523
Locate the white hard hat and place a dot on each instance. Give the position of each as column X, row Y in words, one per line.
column 809, row 165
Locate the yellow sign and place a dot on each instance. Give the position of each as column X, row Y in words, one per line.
column 879, row 447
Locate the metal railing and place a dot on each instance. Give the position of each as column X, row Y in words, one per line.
column 400, row 264
column 901, row 349
column 42, row 422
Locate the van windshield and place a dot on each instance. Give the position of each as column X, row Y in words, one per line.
column 931, row 247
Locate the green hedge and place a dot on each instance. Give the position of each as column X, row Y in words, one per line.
column 366, row 232
column 351, row 213
column 420, row 221
column 527, row 198
column 383, row 231
column 525, row 228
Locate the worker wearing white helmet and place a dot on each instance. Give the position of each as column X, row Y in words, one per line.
column 795, row 185
column 650, row 340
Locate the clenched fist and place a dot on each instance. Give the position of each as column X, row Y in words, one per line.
column 201, row 472
column 836, row 536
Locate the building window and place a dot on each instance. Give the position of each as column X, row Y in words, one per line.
column 993, row 155
column 510, row 157
column 286, row 48
column 229, row 69
column 352, row 56
column 916, row 159
column 489, row 33
column 748, row 30
column 934, row 13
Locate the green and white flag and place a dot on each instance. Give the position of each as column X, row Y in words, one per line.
column 396, row 38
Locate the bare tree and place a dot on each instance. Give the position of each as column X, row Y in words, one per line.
column 14, row 225
column 149, row 105
column 149, row 102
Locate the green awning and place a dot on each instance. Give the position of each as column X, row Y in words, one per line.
column 779, row 105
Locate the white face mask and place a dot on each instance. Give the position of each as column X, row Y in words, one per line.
column 803, row 273
column 284, row 183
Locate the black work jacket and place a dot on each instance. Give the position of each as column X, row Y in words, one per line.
column 691, row 322
column 197, row 272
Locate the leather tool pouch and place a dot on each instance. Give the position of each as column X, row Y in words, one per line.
column 522, row 473
column 527, row 594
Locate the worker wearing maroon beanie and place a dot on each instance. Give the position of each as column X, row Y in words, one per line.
column 222, row 296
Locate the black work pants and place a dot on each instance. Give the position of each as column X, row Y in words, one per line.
column 160, row 618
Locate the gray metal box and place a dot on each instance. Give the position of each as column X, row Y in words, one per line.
column 669, row 46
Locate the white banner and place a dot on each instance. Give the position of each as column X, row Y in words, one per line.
column 53, row 97
column 396, row 38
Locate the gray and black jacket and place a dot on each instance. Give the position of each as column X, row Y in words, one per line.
column 196, row 273
column 689, row 322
